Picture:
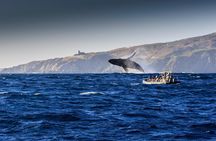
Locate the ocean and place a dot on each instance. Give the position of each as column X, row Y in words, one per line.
column 108, row 107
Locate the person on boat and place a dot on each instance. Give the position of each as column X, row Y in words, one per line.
column 157, row 79
column 173, row 80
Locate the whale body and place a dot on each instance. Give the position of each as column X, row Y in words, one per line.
column 126, row 64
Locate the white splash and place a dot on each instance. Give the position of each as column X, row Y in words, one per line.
column 37, row 94
column 2, row 93
column 91, row 93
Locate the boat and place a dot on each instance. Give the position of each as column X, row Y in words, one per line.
column 164, row 78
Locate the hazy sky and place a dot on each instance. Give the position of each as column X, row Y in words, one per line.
column 41, row 29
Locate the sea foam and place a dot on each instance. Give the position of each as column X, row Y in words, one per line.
column 91, row 93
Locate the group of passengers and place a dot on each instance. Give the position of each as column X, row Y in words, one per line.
column 165, row 77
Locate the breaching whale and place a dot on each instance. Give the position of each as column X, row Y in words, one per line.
column 126, row 63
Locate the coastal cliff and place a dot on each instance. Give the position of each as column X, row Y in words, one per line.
column 197, row 54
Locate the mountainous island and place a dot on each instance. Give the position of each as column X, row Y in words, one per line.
column 192, row 55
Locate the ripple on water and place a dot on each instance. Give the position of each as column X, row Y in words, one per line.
column 2, row 93
column 106, row 107
column 92, row 93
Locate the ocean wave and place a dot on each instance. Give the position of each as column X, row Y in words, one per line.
column 91, row 93
column 2, row 93
column 37, row 93
column 134, row 84
column 37, row 107
column 113, row 92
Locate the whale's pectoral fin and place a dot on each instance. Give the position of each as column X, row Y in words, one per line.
column 140, row 68
column 126, row 69
column 132, row 56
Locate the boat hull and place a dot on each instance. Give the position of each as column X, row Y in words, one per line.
column 158, row 83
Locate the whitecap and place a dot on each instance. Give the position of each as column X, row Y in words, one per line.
column 134, row 84
column 1, row 93
column 91, row 93
column 37, row 94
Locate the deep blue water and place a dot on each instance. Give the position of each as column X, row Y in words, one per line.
column 106, row 107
